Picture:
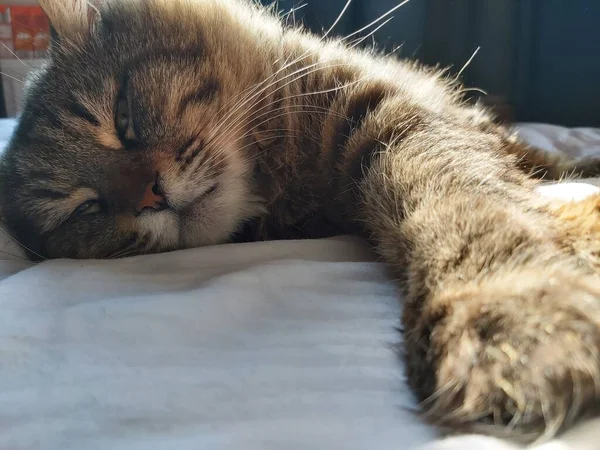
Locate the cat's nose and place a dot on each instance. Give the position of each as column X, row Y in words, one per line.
column 153, row 198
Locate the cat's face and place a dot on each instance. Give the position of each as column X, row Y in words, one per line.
column 130, row 140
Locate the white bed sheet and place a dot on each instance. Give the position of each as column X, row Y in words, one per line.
column 282, row 345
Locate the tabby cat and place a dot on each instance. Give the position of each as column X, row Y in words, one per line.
column 159, row 125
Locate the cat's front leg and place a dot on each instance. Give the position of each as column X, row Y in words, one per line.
column 516, row 354
column 502, row 321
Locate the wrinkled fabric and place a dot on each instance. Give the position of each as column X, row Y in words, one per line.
column 277, row 345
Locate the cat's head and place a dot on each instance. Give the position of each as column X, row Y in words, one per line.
column 131, row 137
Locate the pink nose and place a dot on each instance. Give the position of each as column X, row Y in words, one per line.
column 152, row 199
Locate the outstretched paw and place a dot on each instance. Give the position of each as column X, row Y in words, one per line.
column 517, row 356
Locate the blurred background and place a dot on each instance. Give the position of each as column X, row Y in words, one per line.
column 539, row 60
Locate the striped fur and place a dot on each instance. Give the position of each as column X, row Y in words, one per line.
column 242, row 122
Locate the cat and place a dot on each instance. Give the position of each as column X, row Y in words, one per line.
column 159, row 125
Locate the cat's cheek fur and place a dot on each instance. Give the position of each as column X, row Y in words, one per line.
column 214, row 219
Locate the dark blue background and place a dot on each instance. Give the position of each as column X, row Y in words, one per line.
column 541, row 56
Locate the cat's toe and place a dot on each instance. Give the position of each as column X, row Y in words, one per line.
column 522, row 364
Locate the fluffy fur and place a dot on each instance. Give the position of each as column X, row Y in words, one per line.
column 234, row 121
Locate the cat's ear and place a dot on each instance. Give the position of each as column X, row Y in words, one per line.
column 71, row 21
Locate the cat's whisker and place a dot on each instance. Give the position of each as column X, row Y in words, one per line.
column 239, row 104
column 279, row 136
column 383, row 16
column 123, row 255
column 258, row 140
column 15, row 240
column 244, row 122
column 132, row 247
column 292, row 12
column 359, row 41
column 343, row 40
column 244, row 95
column 286, row 65
column 393, row 51
column 12, row 78
column 460, row 72
column 220, row 152
column 15, row 55
column 17, row 256
column 116, row 254
column 344, row 9
column 543, row 406
column 481, row 91
column 249, row 91
column 299, row 109
column 259, row 154
column 252, row 94
column 313, row 109
column 308, row 94
column 295, row 109
column 309, row 52
column 263, row 90
column 93, row 7
column 292, row 134
column 313, row 70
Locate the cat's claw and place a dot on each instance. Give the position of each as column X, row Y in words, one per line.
column 521, row 364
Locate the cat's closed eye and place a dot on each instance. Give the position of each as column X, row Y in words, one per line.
column 87, row 208
column 134, row 123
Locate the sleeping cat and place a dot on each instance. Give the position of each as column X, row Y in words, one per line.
column 159, row 125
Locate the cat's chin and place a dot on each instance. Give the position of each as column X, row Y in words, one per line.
column 200, row 231
column 198, row 225
column 161, row 228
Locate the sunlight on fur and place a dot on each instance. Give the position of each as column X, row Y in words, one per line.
column 160, row 125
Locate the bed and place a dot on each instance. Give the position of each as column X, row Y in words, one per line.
column 281, row 345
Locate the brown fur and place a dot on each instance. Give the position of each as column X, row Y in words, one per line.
column 580, row 228
column 241, row 120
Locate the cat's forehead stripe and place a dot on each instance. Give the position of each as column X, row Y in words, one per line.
column 77, row 109
column 49, row 193
column 98, row 115
column 108, row 138
column 200, row 96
